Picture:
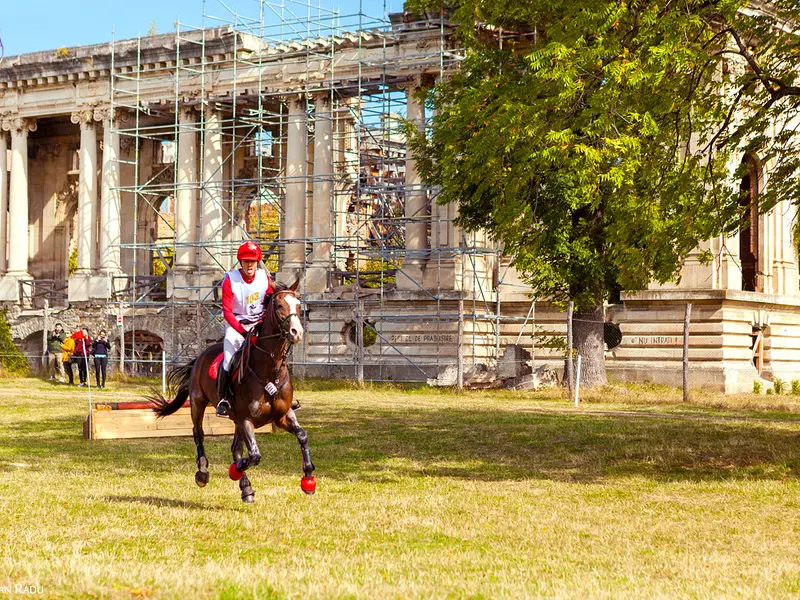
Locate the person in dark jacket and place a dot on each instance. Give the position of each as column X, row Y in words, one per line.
column 54, row 341
column 83, row 344
column 101, row 349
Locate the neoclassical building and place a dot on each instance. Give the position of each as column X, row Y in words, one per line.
column 135, row 168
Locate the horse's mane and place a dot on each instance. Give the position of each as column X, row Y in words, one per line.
column 276, row 287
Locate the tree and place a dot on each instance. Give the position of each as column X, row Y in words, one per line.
column 599, row 140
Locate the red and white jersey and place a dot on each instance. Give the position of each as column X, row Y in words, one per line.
column 243, row 300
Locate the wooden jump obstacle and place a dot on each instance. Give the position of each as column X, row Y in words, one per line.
column 120, row 420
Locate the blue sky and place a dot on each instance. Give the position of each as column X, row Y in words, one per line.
column 50, row 24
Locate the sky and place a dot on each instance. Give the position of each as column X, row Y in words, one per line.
column 50, row 24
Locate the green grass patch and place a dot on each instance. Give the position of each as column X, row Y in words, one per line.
column 421, row 494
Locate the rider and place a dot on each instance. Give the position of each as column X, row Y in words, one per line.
column 243, row 292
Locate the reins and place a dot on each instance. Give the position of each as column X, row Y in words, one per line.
column 281, row 333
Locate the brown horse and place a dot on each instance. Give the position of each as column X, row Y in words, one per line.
column 263, row 361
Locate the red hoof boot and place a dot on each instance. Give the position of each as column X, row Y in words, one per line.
column 234, row 472
column 308, row 484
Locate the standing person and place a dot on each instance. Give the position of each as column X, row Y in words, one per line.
column 67, row 348
column 81, row 353
column 54, row 364
column 101, row 348
column 243, row 292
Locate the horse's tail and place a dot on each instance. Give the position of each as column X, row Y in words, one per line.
column 177, row 385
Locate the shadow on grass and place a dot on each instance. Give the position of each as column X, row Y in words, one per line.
column 156, row 501
column 349, row 442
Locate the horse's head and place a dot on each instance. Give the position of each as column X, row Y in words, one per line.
column 284, row 312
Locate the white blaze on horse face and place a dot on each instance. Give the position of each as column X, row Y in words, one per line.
column 295, row 327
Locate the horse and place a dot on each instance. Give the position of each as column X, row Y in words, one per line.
column 263, row 360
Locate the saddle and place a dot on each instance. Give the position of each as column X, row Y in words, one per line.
column 236, row 364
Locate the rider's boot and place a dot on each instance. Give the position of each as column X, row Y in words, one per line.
column 223, row 406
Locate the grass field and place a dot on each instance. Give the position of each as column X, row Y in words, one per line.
column 421, row 494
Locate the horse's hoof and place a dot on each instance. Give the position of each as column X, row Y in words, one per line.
column 249, row 499
column 201, row 479
column 234, row 472
column 309, row 485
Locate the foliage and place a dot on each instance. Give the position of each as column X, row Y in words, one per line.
column 13, row 361
column 263, row 223
column 159, row 268
column 756, row 387
column 795, row 387
column 780, row 386
column 370, row 334
column 596, row 139
column 770, row 391
column 377, row 264
column 73, row 260
column 62, row 52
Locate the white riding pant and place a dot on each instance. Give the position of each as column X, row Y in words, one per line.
column 233, row 341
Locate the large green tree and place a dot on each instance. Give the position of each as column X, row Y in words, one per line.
column 599, row 140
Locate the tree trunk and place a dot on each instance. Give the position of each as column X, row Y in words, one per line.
column 589, row 343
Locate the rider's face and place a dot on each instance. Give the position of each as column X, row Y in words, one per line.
column 249, row 268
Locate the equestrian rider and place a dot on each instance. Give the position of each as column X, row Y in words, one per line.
column 243, row 292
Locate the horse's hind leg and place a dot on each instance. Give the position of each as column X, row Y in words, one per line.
column 289, row 423
column 198, row 410
column 248, row 494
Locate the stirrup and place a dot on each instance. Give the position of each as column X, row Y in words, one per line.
column 224, row 408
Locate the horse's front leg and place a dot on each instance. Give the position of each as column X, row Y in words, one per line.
column 198, row 408
column 238, row 467
column 289, row 423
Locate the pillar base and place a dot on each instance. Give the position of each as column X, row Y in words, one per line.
column 288, row 274
column 411, row 277
column 317, row 280
column 9, row 286
column 209, row 280
column 182, row 285
column 93, row 286
column 78, row 287
column 446, row 278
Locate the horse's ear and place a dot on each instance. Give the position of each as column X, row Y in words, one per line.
column 293, row 287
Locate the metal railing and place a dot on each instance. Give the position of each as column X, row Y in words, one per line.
column 33, row 292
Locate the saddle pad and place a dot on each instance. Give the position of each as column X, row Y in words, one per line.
column 213, row 370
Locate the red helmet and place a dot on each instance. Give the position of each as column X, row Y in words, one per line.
column 249, row 251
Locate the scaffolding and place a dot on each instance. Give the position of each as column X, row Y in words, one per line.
column 248, row 79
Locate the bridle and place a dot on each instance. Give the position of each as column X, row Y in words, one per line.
column 280, row 326
column 273, row 319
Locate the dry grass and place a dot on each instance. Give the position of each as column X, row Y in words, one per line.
column 422, row 494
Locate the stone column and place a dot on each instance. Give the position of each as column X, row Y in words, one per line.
column 18, row 197
column 185, row 196
column 416, row 206
column 182, row 283
column 212, row 191
column 3, row 199
column 321, row 207
column 87, row 192
column 110, row 198
column 294, row 218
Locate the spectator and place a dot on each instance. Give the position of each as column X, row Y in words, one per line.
column 54, row 341
column 67, row 348
column 101, row 348
column 81, row 354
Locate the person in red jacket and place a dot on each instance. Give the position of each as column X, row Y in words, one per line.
column 243, row 293
column 83, row 345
